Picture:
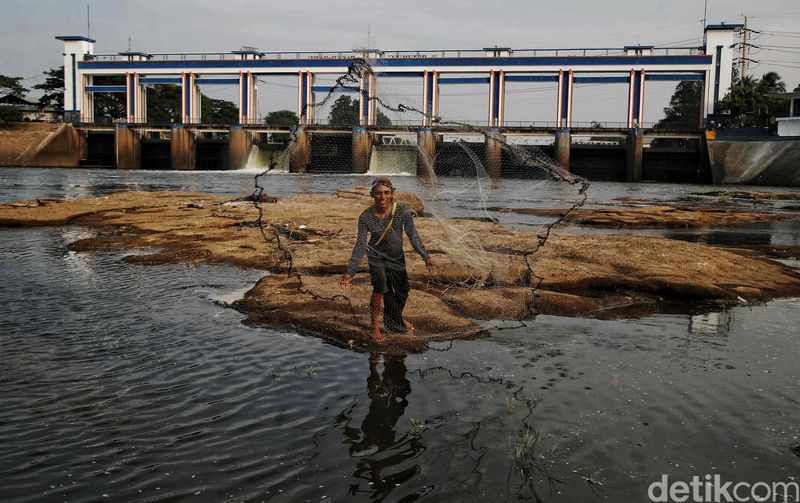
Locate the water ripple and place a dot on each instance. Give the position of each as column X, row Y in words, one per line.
column 128, row 381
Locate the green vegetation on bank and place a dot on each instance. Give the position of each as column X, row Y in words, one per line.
column 751, row 103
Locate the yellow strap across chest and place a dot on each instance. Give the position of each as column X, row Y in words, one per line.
column 394, row 207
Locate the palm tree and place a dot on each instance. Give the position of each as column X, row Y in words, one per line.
column 771, row 82
column 768, row 87
column 751, row 101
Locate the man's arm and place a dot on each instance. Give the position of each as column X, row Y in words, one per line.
column 413, row 236
column 359, row 250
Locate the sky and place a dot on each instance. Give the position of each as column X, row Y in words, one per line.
column 28, row 28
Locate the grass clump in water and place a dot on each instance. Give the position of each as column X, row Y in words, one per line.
column 523, row 453
column 417, row 426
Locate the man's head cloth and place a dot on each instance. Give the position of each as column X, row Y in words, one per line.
column 381, row 181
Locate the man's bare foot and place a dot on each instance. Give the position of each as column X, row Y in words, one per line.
column 378, row 337
column 408, row 325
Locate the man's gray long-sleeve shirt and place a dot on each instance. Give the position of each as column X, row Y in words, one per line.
column 389, row 253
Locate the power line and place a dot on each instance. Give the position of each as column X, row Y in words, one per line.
column 777, row 61
column 778, row 34
column 777, row 50
column 746, row 44
column 772, row 63
column 795, row 33
column 277, row 85
column 783, row 46
column 695, row 40
column 682, row 26
column 771, row 16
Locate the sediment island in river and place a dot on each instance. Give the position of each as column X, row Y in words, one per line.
column 596, row 275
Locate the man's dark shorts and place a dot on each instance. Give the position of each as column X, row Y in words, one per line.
column 386, row 280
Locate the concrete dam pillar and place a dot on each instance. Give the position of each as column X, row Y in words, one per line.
column 183, row 149
column 563, row 142
column 300, row 151
column 426, row 152
column 239, row 147
column 494, row 153
column 129, row 148
column 634, row 146
column 362, row 150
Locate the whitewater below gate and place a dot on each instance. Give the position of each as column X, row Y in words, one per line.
column 135, row 383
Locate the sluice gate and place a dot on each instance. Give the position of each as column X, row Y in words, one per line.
column 612, row 155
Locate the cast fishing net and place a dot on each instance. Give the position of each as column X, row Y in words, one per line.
column 470, row 180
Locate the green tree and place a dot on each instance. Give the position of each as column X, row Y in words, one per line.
column 683, row 111
column 9, row 114
column 282, row 118
column 772, row 106
column 215, row 111
column 344, row 112
column 53, row 88
column 382, row 120
column 13, row 86
column 109, row 106
column 164, row 104
column 751, row 103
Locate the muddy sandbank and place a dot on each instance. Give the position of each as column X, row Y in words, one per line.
column 649, row 216
column 578, row 275
column 750, row 195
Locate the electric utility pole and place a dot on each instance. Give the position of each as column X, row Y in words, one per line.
column 745, row 46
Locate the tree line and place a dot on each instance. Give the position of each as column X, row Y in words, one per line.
column 164, row 103
column 751, row 102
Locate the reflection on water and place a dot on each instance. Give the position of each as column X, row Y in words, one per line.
column 381, row 453
column 711, row 323
column 724, row 237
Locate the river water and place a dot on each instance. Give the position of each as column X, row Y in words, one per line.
column 123, row 382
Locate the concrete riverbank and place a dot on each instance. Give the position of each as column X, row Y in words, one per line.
column 40, row 144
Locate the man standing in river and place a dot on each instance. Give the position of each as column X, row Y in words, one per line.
column 384, row 223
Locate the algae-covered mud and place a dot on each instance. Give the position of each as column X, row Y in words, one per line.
column 650, row 216
column 126, row 378
column 600, row 275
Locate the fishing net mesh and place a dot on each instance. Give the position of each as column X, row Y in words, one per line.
column 485, row 274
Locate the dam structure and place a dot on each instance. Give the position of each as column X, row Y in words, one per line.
column 134, row 142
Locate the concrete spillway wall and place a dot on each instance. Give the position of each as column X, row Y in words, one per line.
column 41, row 145
column 756, row 162
column 764, row 161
